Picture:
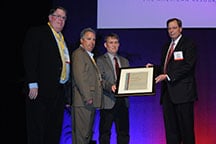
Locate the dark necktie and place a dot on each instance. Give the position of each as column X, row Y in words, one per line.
column 116, row 67
column 169, row 56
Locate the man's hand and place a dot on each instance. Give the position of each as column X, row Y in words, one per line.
column 89, row 102
column 33, row 93
column 160, row 78
column 113, row 88
column 149, row 65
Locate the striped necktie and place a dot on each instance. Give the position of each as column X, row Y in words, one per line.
column 170, row 52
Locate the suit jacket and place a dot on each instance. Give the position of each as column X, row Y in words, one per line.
column 182, row 84
column 108, row 76
column 86, row 79
column 42, row 61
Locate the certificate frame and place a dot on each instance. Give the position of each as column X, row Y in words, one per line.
column 135, row 81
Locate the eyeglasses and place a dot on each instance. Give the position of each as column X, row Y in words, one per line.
column 59, row 17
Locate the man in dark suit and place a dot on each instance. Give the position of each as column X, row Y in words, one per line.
column 178, row 87
column 87, row 90
column 47, row 69
column 115, row 109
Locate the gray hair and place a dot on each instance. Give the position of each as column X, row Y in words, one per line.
column 85, row 30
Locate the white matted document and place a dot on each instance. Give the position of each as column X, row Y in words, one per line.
column 136, row 81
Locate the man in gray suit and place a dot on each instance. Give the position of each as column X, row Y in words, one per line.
column 87, row 88
column 115, row 108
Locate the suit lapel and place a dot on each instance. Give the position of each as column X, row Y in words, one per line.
column 108, row 60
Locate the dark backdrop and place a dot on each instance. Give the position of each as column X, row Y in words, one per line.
column 17, row 16
column 138, row 45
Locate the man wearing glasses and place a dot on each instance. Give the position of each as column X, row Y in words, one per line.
column 47, row 69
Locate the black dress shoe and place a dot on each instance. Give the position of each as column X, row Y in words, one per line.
column 92, row 142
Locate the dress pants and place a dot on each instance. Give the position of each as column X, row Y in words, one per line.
column 82, row 124
column 179, row 122
column 119, row 114
column 44, row 118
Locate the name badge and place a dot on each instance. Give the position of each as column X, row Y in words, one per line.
column 178, row 55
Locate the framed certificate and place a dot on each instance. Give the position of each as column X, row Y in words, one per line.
column 136, row 81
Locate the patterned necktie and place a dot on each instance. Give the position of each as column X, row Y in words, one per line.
column 60, row 39
column 61, row 44
column 116, row 67
column 168, row 56
column 94, row 62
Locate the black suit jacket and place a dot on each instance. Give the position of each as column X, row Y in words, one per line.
column 42, row 61
column 182, row 84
